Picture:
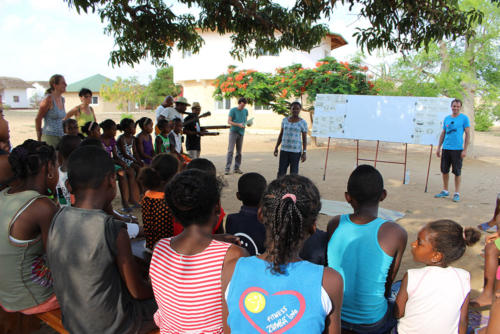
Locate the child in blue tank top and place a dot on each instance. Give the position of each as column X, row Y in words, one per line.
column 367, row 252
column 276, row 291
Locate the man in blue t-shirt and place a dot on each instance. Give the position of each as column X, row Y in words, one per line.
column 238, row 121
column 454, row 147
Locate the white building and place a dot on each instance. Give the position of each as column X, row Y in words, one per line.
column 13, row 92
column 38, row 89
column 196, row 73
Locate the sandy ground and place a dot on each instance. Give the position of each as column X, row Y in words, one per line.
column 481, row 180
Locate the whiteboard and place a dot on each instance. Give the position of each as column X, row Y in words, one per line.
column 399, row 119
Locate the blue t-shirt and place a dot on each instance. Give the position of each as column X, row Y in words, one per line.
column 454, row 128
column 292, row 135
column 238, row 116
column 262, row 302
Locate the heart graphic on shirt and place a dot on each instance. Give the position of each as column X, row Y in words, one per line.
column 298, row 316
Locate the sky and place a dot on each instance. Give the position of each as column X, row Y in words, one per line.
column 39, row 38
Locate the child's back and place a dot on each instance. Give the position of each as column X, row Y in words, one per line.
column 245, row 224
column 366, row 251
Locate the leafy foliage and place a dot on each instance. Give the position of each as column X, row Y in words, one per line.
column 126, row 92
column 275, row 90
column 161, row 86
column 151, row 28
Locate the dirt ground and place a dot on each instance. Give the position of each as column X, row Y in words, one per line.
column 481, row 179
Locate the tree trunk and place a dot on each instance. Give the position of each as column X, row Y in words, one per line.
column 469, row 85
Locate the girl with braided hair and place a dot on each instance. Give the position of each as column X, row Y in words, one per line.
column 24, row 223
column 277, row 291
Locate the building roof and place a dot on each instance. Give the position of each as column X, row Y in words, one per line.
column 94, row 83
column 10, row 82
column 336, row 40
column 44, row 84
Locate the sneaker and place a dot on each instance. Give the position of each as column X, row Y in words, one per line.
column 456, row 198
column 227, row 173
column 238, row 171
column 442, row 194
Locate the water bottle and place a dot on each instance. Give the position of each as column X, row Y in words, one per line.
column 407, row 177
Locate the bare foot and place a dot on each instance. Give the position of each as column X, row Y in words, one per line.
column 484, row 299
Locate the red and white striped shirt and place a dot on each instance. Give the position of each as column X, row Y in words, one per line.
column 187, row 288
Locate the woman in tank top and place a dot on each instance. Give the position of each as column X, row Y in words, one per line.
column 24, row 223
column 52, row 112
column 83, row 112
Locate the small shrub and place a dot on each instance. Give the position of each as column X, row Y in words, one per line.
column 483, row 119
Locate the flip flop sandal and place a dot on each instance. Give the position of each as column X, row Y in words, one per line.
column 487, row 228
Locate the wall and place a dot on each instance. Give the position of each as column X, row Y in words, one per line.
column 8, row 98
column 214, row 58
column 73, row 100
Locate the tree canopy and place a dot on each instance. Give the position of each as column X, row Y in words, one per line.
column 151, row 28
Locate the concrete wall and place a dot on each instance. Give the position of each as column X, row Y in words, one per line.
column 214, row 58
column 8, row 97
column 73, row 100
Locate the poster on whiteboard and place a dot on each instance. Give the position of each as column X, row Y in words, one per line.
column 400, row 119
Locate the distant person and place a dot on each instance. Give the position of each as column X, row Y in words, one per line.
column 52, row 112
column 454, row 148
column 175, row 137
column 238, row 121
column 186, row 270
column 245, row 224
column 144, row 141
column 193, row 132
column 293, row 141
column 70, row 128
column 367, row 252
column 97, row 280
column 91, row 129
column 435, row 298
column 6, row 173
column 26, row 214
column 179, row 111
column 83, row 113
column 163, row 109
column 278, row 292
column 66, row 146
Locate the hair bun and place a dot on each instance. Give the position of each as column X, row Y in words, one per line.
column 471, row 236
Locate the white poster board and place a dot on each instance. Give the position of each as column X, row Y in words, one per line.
column 400, row 119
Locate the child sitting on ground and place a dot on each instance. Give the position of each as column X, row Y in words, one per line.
column 162, row 142
column 70, row 127
column 96, row 278
column 65, row 147
column 144, row 142
column 246, row 224
column 191, row 263
column 277, row 291
column 208, row 166
column 435, row 299
column 366, row 251
column 157, row 218
column 91, row 130
column 491, row 268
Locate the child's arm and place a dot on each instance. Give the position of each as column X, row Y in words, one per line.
column 332, row 226
column 118, row 160
column 334, row 286
column 278, row 142
column 232, row 256
column 401, row 298
column 392, row 238
column 158, row 143
column 464, row 313
column 140, row 147
column 136, row 157
column 129, row 270
column 304, row 146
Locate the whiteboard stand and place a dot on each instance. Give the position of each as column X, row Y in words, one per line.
column 358, row 159
column 428, row 169
column 326, row 160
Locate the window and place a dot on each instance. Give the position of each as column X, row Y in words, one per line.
column 225, row 104
column 95, row 99
column 261, row 52
column 261, row 107
column 16, row 98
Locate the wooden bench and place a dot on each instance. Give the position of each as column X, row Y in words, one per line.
column 53, row 319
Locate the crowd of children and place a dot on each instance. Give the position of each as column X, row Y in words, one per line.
column 272, row 271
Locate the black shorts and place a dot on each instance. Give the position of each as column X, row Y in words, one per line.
column 453, row 158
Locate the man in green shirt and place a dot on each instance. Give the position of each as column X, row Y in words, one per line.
column 237, row 119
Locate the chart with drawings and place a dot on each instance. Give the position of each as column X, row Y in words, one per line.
column 412, row 120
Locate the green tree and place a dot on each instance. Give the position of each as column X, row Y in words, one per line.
column 126, row 92
column 161, row 86
column 151, row 28
column 466, row 68
column 275, row 90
